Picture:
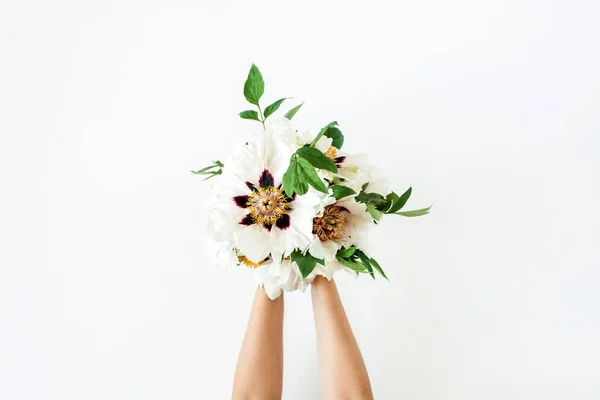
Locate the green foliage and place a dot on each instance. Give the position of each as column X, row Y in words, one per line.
column 365, row 261
column 292, row 182
column 309, row 175
column 290, row 114
column 340, row 191
column 353, row 265
column 273, row 107
column 367, row 198
column 377, row 205
column 414, row 213
column 322, row 132
column 250, row 114
column 358, row 261
column 375, row 213
column 336, row 135
column 346, row 253
column 211, row 171
column 299, row 175
column 254, row 86
column 306, row 262
column 377, row 267
column 399, row 202
column 317, row 158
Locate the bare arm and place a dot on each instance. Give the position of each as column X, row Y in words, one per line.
column 259, row 371
column 341, row 366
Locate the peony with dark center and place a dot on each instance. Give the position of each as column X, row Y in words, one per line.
column 267, row 205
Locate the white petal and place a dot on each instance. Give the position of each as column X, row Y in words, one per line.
column 253, row 241
column 324, row 143
column 324, row 250
column 223, row 254
column 273, row 291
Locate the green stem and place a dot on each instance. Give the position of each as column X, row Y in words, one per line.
column 262, row 119
column 316, row 139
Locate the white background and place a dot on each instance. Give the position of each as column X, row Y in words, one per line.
column 488, row 108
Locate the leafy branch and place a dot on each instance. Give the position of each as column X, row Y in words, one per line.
column 303, row 164
column 306, row 262
column 254, row 88
column 331, row 131
column 377, row 205
column 211, row 171
column 358, row 261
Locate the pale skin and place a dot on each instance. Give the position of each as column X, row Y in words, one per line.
column 342, row 370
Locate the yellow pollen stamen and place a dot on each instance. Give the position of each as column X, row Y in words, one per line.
column 331, row 153
column 267, row 205
column 331, row 225
column 251, row 264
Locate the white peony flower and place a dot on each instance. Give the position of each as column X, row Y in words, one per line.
column 342, row 223
column 252, row 221
column 350, row 166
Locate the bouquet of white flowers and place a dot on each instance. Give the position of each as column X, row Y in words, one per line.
column 292, row 205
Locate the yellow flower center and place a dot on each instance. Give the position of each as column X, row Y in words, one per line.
column 331, row 225
column 251, row 264
column 331, row 153
column 267, row 205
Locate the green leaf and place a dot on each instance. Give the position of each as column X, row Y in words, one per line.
column 375, row 213
column 212, row 170
column 213, row 175
column 370, row 198
column 336, row 135
column 385, row 205
column 254, row 86
column 375, row 265
column 299, row 175
column 322, row 132
column 353, row 265
column 308, row 174
column 414, row 213
column 365, row 261
column 401, row 201
column 292, row 180
column 290, row 114
column 250, row 114
column 390, row 199
column 273, row 107
column 346, row 253
column 306, row 262
column 204, row 171
column 340, row 191
column 317, row 158
column 329, row 125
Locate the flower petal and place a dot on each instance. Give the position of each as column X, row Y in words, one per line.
column 253, row 242
column 283, row 222
column 247, row 220
column 241, row 201
column 251, row 186
column 266, row 179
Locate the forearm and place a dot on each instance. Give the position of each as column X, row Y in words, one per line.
column 259, row 371
column 341, row 366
